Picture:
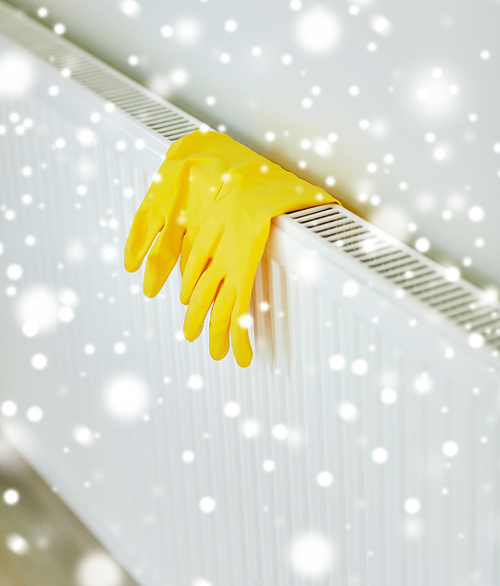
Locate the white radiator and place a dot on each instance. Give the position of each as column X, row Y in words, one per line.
column 360, row 447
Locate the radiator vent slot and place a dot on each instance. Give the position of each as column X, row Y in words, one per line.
column 96, row 76
column 411, row 272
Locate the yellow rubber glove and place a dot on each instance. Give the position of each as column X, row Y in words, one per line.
column 175, row 205
column 227, row 251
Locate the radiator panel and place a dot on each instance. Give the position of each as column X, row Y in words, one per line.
column 143, row 499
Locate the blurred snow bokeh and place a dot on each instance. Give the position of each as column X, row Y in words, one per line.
column 17, row 74
column 311, row 555
column 98, row 569
column 126, row 397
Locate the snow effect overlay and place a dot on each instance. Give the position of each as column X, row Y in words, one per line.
column 102, row 383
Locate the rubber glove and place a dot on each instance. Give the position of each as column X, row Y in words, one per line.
column 227, row 251
column 175, row 204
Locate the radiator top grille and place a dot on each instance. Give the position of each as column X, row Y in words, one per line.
column 411, row 272
column 132, row 98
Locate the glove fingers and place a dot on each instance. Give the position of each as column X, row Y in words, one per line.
column 220, row 320
column 165, row 197
column 199, row 304
column 240, row 322
column 200, row 257
column 162, row 258
column 185, row 252
column 144, row 230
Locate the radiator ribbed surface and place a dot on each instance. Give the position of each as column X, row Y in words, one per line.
column 333, row 342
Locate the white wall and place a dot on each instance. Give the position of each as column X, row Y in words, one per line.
column 434, row 72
